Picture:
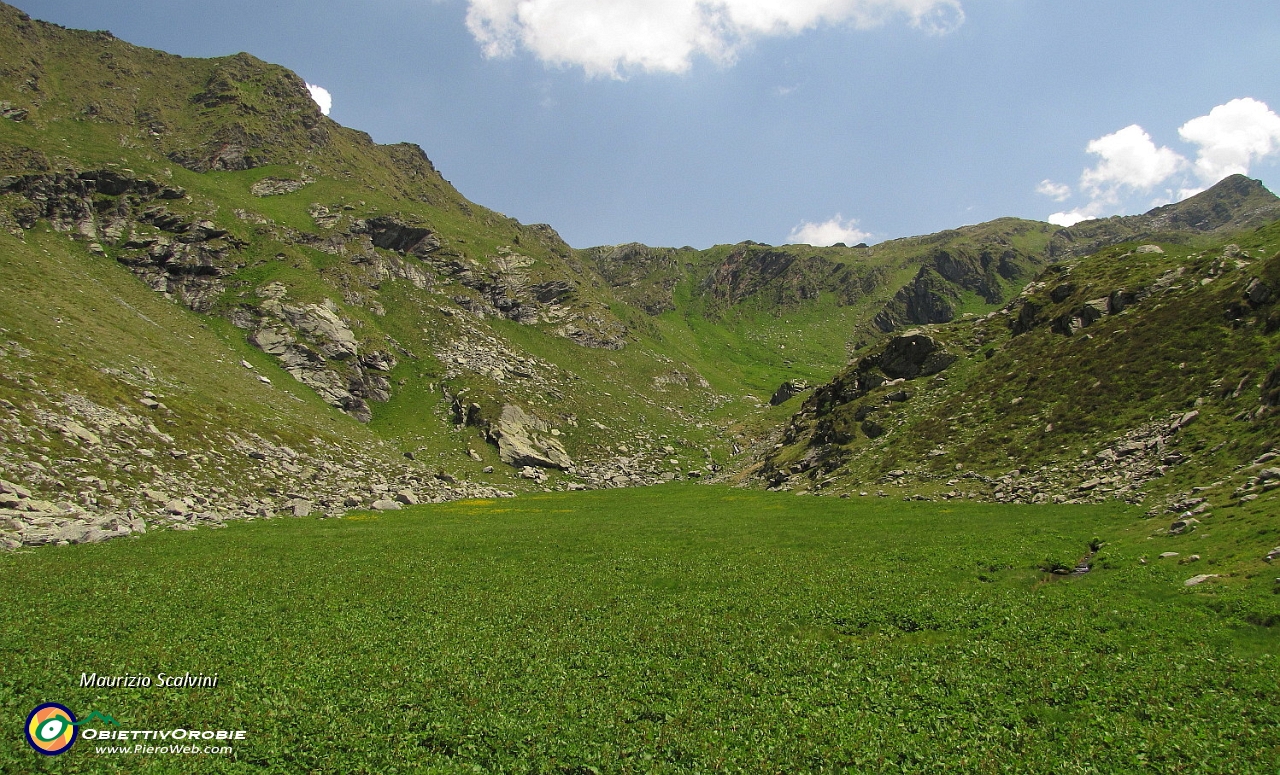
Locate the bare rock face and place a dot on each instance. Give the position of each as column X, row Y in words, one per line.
column 525, row 440
column 315, row 345
column 1271, row 389
column 391, row 234
column 913, row 354
column 321, row 322
column 788, row 390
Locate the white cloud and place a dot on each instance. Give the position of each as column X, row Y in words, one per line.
column 1129, row 160
column 1070, row 218
column 828, row 233
column 1231, row 138
column 322, row 97
column 1056, row 191
column 612, row 37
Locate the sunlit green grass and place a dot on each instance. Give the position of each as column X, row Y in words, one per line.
column 670, row 629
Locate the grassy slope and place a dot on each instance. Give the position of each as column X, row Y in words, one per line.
column 88, row 328
column 1044, row 402
column 663, row 630
column 350, row 171
column 1160, row 355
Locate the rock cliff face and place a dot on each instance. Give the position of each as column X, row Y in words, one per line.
column 320, row 350
column 178, row 255
column 935, row 292
column 783, row 279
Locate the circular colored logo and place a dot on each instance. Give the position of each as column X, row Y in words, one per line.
column 51, row 728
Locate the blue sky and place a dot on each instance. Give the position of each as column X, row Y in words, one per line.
column 687, row 122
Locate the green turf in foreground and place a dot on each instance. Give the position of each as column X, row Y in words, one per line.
column 672, row 629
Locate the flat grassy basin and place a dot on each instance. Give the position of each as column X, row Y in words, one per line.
column 671, row 629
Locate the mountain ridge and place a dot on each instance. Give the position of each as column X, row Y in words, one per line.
column 455, row 350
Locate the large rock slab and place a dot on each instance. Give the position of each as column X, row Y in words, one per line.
column 525, row 440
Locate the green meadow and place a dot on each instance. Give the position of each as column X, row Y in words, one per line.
column 677, row 629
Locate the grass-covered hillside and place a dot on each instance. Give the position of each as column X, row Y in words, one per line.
column 200, row 250
column 1143, row 373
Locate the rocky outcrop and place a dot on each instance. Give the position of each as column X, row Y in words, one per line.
column 504, row 287
column 113, row 473
column 935, row 292
column 826, row 419
column 278, row 186
column 315, row 345
column 395, row 235
column 177, row 255
column 908, row 356
column 67, row 199
column 787, row 391
column 221, row 157
column 1036, row 307
column 1271, row 389
column 525, row 440
column 594, row 331
column 1082, row 316
column 926, row 299
column 186, row 260
column 11, row 112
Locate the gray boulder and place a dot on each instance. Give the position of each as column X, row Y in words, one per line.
column 1194, row 580
column 1257, row 292
column 525, row 440
column 910, row 355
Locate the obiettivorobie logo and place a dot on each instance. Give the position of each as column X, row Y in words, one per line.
column 52, row 728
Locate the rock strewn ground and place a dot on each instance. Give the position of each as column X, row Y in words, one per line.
column 75, row 471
